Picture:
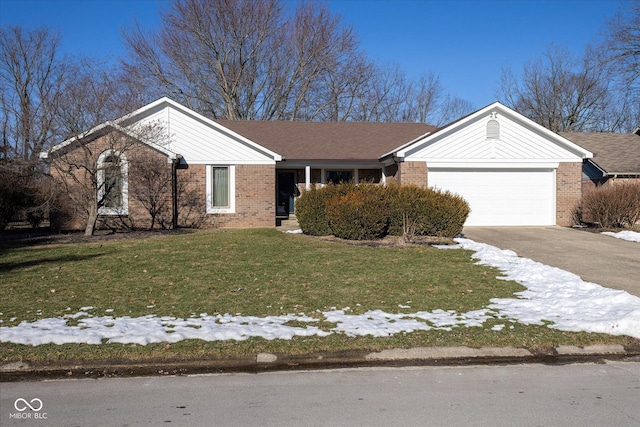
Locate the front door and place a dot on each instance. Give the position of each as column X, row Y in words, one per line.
column 286, row 192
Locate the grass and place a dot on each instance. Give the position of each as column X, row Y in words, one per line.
column 251, row 272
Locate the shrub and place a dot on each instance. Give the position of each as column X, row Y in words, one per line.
column 426, row 212
column 24, row 195
column 369, row 211
column 611, row 206
column 361, row 213
column 408, row 212
column 446, row 214
column 310, row 212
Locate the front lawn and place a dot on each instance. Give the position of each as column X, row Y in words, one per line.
column 252, row 273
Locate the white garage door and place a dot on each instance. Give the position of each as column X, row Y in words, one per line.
column 501, row 197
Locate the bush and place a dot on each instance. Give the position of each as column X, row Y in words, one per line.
column 311, row 208
column 426, row 212
column 611, row 206
column 24, row 195
column 409, row 209
column 370, row 211
column 446, row 214
column 361, row 213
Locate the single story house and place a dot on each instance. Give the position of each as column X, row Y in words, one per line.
column 249, row 173
column 616, row 157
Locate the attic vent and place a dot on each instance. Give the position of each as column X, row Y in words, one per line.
column 493, row 129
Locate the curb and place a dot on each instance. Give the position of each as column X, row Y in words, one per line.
column 265, row 362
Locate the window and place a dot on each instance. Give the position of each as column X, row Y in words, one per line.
column 220, row 189
column 112, row 183
column 337, row 177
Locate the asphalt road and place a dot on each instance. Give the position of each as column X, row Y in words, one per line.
column 597, row 258
column 523, row 395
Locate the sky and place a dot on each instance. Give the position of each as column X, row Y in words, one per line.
column 465, row 42
column 552, row 295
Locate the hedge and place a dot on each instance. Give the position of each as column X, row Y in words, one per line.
column 360, row 214
column 369, row 211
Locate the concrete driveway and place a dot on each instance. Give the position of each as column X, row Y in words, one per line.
column 595, row 257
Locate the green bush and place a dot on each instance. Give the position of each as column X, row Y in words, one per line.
column 426, row 212
column 310, row 212
column 361, row 213
column 408, row 210
column 446, row 214
column 311, row 208
column 369, row 211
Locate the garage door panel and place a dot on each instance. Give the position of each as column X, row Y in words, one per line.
column 501, row 197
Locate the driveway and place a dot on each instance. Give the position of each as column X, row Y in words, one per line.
column 595, row 257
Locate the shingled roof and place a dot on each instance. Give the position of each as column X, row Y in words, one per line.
column 350, row 141
column 615, row 153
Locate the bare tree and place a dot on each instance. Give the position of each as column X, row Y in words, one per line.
column 91, row 183
column 559, row 92
column 151, row 184
column 426, row 98
column 240, row 59
column 452, row 108
column 622, row 43
column 99, row 168
column 32, row 79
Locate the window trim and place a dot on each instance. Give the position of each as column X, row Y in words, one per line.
column 124, row 170
column 232, row 190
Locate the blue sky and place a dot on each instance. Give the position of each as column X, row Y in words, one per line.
column 465, row 42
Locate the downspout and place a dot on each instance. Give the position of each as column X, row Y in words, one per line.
column 174, row 193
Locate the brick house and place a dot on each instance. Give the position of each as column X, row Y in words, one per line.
column 249, row 173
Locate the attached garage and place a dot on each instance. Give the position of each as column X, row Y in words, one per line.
column 501, row 196
column 512, row 171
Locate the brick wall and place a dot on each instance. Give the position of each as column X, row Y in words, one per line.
column 413, row 173
column 254, row 192
column 254, row 198
column 568, row 191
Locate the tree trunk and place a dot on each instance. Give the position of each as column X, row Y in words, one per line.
column 91, row 220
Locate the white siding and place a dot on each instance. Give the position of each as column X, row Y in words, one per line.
column 200, row 142
column 467, row 141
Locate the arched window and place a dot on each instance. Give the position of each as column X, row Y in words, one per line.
column 112, row 183
column 493, row 129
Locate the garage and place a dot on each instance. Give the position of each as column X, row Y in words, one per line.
column 506, row 197
column 512, row 171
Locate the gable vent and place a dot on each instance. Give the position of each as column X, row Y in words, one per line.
column 493, row 129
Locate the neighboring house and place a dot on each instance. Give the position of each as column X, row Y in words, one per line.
column 616, row 157
column 248, row 173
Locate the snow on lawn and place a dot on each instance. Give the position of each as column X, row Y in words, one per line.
column 557, row 296
column 553, row 296
column 631, row 236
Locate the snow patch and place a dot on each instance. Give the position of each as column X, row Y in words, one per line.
column 631, row 236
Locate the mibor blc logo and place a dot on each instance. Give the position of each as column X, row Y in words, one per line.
column 28, row 409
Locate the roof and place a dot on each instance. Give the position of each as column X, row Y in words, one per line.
column 350, row 141
column 615, row 153
column 101, row 130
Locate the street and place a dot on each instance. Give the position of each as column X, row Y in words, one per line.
column 606, row 394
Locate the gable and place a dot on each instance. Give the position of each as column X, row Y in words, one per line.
column 494, row 134
column 200, row 140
